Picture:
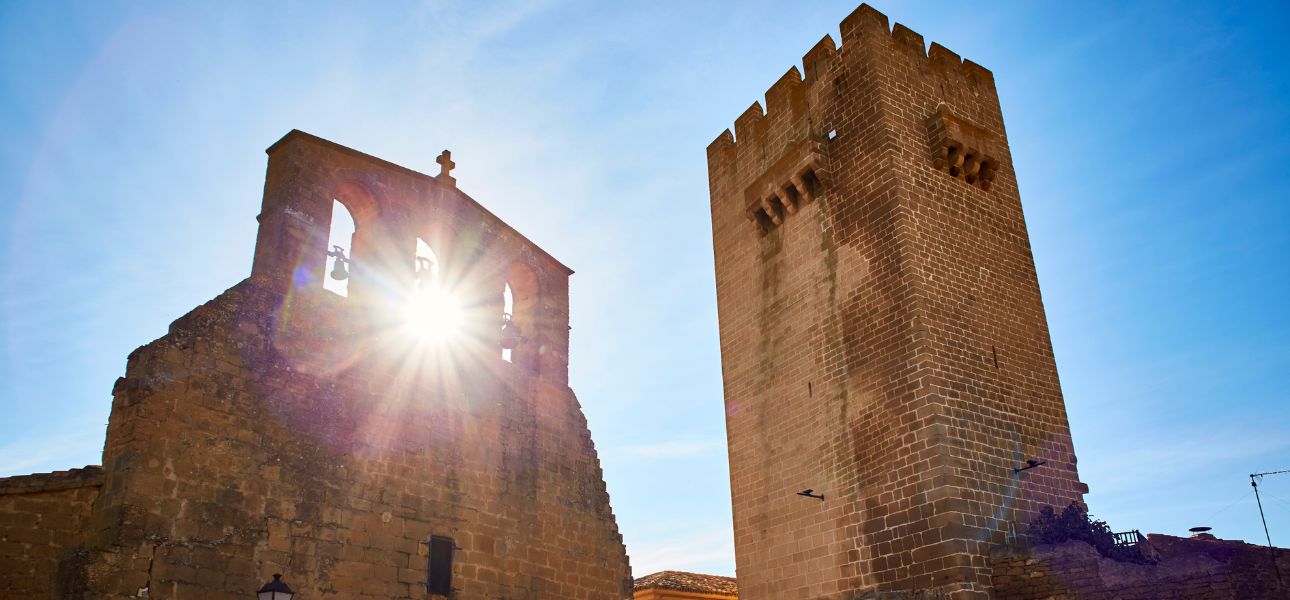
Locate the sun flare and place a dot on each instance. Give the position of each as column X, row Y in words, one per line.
column 432, row 314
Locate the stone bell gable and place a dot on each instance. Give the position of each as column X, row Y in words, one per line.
column 285, row 428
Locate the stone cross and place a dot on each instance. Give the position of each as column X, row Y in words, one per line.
column 446, row 166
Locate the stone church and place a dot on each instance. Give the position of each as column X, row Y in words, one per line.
column 894, row 415
column 284, row 428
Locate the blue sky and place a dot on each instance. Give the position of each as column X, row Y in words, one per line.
column 1149, row 141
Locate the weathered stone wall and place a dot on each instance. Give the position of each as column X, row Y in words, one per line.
column 41, row 520
column 282, row 428
column 1188, row 570
column 883, row 337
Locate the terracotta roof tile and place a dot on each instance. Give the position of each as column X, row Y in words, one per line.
column 689, row 582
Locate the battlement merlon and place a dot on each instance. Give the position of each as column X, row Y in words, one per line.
column 865, row 24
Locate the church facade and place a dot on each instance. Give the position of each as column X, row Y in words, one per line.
column 285, row 428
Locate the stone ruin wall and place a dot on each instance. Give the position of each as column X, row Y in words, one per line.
column 883, row 337
column 282, row 428
column 1189, row 569
column 42, row 518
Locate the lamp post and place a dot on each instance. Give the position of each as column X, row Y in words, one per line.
column 275, row 590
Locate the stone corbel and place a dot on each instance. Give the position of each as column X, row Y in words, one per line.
column 963, row 150
column 803, row 190
column 785, row 187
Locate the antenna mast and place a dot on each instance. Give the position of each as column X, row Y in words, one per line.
column 1271, row 548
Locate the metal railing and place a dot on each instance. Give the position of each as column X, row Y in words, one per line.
column 1128, row 538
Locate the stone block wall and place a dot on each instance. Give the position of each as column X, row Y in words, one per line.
column 282, row 428
column 883, row 336
column 1189, row 569
column 42, row 518
column 227, row 462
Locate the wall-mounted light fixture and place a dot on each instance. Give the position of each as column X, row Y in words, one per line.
column 1030, row 464
column 275, row 590
column 810, row 493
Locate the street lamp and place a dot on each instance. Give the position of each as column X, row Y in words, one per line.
column 275, row 590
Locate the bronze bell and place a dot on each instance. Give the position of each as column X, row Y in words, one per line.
column 510, row 333
column 338, row 271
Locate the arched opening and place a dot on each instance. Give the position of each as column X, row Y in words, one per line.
column 340, row 246
column 508, row 308
column 432, row 313
column 521, row 330
column 426, row 266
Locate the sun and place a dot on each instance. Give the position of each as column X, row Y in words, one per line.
column 432, row 315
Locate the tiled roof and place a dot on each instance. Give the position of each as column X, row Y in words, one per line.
column 689, row 582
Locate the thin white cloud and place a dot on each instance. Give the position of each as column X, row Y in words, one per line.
column 1161, row 457
column 675, row 449
column 709, row 551
column 53, row 453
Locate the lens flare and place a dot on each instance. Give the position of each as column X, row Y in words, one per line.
column 432, row 315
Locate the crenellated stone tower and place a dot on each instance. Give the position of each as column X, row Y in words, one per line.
column 883, row 339
column 282, row 428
